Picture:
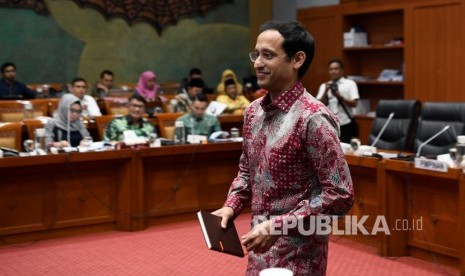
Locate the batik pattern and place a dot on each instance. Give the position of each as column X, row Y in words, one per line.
column 292, row 167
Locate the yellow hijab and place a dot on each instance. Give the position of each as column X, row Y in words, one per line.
column 228, row 74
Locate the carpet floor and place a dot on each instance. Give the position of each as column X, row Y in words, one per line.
column 179, row 249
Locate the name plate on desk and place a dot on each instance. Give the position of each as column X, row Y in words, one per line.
column 431, row 165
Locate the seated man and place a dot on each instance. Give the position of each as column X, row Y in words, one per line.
column 104, row 85
column 195, row 73
column 184, row 99
column 90, row 107
column 196, row 121
column 235, row 104
column 10, row 87
column 133, row 121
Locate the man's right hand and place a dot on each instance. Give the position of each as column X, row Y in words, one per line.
column 225, row 213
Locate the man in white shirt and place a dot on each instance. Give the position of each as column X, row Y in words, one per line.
column 340, row 95
column 89, row 106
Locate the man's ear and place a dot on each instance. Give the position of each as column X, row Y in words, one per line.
column 299, row 59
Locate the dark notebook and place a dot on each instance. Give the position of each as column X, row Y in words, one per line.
column 217, row 238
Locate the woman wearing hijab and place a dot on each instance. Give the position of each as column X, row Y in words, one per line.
column 228, row 74
column 147, row 86
column 66, row 120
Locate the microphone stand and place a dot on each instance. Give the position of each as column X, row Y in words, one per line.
column 430, row 139
column 382, row 129
column 68, row 126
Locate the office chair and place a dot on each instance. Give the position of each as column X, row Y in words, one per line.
column 116, row 105
column 10, row 135
column 102, row 123
column 13, row 111
column 433, row 118
column 399, row 133
column 166, row 123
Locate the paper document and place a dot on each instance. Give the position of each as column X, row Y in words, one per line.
column 215, row 108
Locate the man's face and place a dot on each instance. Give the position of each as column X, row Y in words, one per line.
column 231, row 90
column 193, row 91
column 136, row 109
column 107, row 81
column 335, row 71
column 275, row 72
column 79, row 89
column 198, row 108
column 9, row 73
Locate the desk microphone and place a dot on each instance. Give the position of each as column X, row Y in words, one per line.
column 192, row 126
column 383, row 129
column 430, row 139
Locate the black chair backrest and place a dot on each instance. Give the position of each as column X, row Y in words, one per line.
column 399, row 133
column 434, row 117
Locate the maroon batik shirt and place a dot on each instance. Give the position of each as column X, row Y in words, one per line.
column 292, row 167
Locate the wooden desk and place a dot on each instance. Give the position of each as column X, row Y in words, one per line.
column 364, row 172
column 187, row 178
column 52, row 195
column 425, row 210
column 58, row 195
column 433, row 200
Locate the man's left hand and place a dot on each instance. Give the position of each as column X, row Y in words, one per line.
column 259, row 239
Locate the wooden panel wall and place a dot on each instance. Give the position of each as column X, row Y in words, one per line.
column 433, row 52
column 324, row 28
column 437, row 48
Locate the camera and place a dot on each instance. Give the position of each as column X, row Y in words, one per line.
column 333, row 87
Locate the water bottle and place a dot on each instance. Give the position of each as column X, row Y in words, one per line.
column 40, row 142
column 179, row 133
column 28, row 110
column 460, row 153
column 48, row 141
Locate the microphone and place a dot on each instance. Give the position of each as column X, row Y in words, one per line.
column 430, row 139
column 383, row 129
column 68, row 126
column 192, row 126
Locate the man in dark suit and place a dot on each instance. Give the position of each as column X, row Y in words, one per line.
column 10, row 87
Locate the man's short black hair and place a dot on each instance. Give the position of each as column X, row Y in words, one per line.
column 338, row 61
column 296, row 39
column 196, row 83
column 7, row 64
column 137, row 97
column 200, row 97
column 106, row 72
column 195, row 71
column 76, row 80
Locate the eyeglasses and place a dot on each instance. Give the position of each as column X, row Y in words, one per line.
column 265, row 55
column 137, row 105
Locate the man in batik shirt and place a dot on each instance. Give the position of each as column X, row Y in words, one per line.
column 133, row 121
column 292, row 166
column 196, row 121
